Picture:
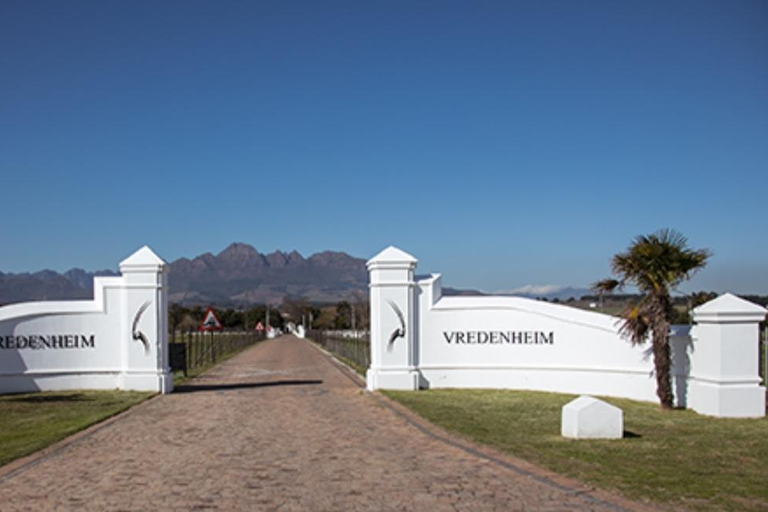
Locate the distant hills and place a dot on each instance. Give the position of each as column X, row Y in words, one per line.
column 48, row 285
column 237, row 276
column 241, row 275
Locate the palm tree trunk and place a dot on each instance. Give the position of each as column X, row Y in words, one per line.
column 662, row 354
column 662, row 360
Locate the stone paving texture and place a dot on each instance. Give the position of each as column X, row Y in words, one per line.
column 279, row 427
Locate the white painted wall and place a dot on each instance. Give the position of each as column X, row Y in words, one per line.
column 587, row 355
column 116, row 359
column 585, row 352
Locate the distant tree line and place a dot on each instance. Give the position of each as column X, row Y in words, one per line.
column 346, row 314
column 683, row 304
column 188, row 318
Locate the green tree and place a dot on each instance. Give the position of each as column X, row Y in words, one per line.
column 362, row 309
column 655, row 264
column 326, row 320
column 343, row 315
column 696, row 299
column 176, row 314
column 230, row 318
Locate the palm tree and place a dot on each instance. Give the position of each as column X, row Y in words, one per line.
column 603, row 287
column 655, row 264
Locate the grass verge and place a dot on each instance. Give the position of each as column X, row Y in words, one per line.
column 179, row 378
column 358, row 367
column 352, row 364
column 678, row 460
column 32, row 421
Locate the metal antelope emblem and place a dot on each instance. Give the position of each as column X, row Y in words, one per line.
column 137, row 334
column 400, row 332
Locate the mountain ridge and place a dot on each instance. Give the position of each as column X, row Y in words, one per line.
column 237, row 275
column 240, row 275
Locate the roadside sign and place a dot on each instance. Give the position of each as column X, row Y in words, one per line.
column 259, row 327
column 210, row 321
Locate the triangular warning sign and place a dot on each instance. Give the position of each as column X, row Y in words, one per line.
column 210, row 321
column 259, row 327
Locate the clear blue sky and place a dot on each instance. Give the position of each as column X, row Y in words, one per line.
column 502, row 143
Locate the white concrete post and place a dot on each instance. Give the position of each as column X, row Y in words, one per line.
column 145, row 329
column 392, row 321
column 725, row 378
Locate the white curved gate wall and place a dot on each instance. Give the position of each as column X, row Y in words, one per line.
column 517, row 343
column 90, row 344
column 511, row 342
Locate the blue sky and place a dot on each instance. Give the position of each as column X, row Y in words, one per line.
column 502, row 143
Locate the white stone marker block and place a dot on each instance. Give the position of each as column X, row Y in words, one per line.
column 590, row 418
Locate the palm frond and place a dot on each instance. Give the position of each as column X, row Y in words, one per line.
column 637, row 322
column 606, row 285
column 659, row 261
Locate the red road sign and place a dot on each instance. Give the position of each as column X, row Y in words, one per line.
column 210, row 321
column 259, row 327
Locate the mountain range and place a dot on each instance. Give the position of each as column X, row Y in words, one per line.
column 239, row 275
column 48, row 285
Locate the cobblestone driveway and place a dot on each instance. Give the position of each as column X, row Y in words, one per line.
column 281, row 427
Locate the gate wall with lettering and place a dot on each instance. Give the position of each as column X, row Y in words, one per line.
column 117, row 340
column 513, row 342
column 420, row 339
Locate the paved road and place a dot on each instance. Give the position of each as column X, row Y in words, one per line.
column 279, row 427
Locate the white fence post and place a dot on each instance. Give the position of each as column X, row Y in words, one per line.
column 724, row 379
column 145, row 329
column 392, row 321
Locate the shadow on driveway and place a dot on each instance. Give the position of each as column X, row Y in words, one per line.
column 244, row 385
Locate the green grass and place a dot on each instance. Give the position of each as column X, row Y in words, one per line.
column 677, row 459
column 30, row 422
column 352, row 364
column 359, row 367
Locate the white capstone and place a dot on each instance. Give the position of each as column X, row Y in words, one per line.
column 393, row 255
column 589, row 418
column 729, row 308
column 144, row 260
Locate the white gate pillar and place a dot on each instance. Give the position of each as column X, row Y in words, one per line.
column 392, row 321
column 725, row 378
column 145, row 323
